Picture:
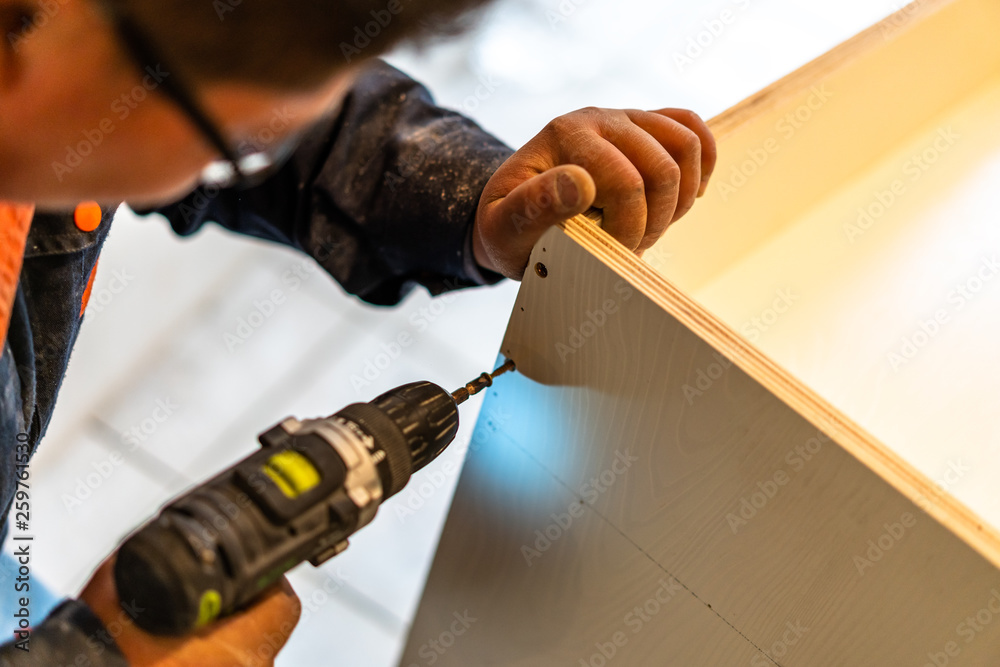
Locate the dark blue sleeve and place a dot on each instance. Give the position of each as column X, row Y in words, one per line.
column 382, row 194
column 70, row 635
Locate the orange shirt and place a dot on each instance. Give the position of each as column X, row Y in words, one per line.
column 15, row 221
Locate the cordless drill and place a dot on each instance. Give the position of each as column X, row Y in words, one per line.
column 217, row 547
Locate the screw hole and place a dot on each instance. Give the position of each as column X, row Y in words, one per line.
column 541, row 270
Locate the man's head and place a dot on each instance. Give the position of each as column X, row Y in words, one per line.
column 83, row 117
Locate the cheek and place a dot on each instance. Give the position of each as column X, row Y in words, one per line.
column 144, row 155
column 92, row 132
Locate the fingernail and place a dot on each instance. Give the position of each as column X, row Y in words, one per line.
column 569, row 194
column 704, row 187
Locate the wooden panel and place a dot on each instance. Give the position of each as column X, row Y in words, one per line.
column 794, row 532
column 820, row 125
column 862, row 257
column 586, row 396
column 894, row 318
column 561, row 599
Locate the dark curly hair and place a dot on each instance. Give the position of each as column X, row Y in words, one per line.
column 286, row 44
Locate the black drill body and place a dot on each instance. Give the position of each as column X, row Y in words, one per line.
column 215, row 548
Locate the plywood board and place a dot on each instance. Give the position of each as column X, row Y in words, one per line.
column 802, row 138
column 764, row 518
column 741, row 371
column 861, row 255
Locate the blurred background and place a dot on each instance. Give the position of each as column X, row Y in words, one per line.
column 156, row 398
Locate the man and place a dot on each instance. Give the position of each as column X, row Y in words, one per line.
column 104, row 101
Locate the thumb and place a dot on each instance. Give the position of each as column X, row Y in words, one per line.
column 509, row 227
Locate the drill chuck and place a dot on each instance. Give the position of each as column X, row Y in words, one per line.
column 314, row 483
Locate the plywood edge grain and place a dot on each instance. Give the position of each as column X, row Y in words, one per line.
column 803, row 139
column 791, row 85
column 902, row 476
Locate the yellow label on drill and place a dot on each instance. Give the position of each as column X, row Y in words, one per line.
column 209, row 608
column 293, row 473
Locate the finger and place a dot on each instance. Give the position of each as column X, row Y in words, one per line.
column 254, row 636
column 100, row 593
column 662, row 177
column 684, row 146
column 279, row 608
column 520, row 218
column 709, row 151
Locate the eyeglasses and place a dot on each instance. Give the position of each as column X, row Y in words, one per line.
column 238, row 168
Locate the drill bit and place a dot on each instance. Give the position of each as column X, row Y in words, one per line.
column 480, row 383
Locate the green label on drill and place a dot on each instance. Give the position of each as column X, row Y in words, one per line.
column 293, row 473
column 209, row 608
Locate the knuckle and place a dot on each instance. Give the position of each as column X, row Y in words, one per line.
column 565, row 127
column 631, row 184
column 689, row 142
column 669, row 174
column 557, row 124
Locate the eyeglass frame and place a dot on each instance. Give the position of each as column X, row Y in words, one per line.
column 136, row 43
